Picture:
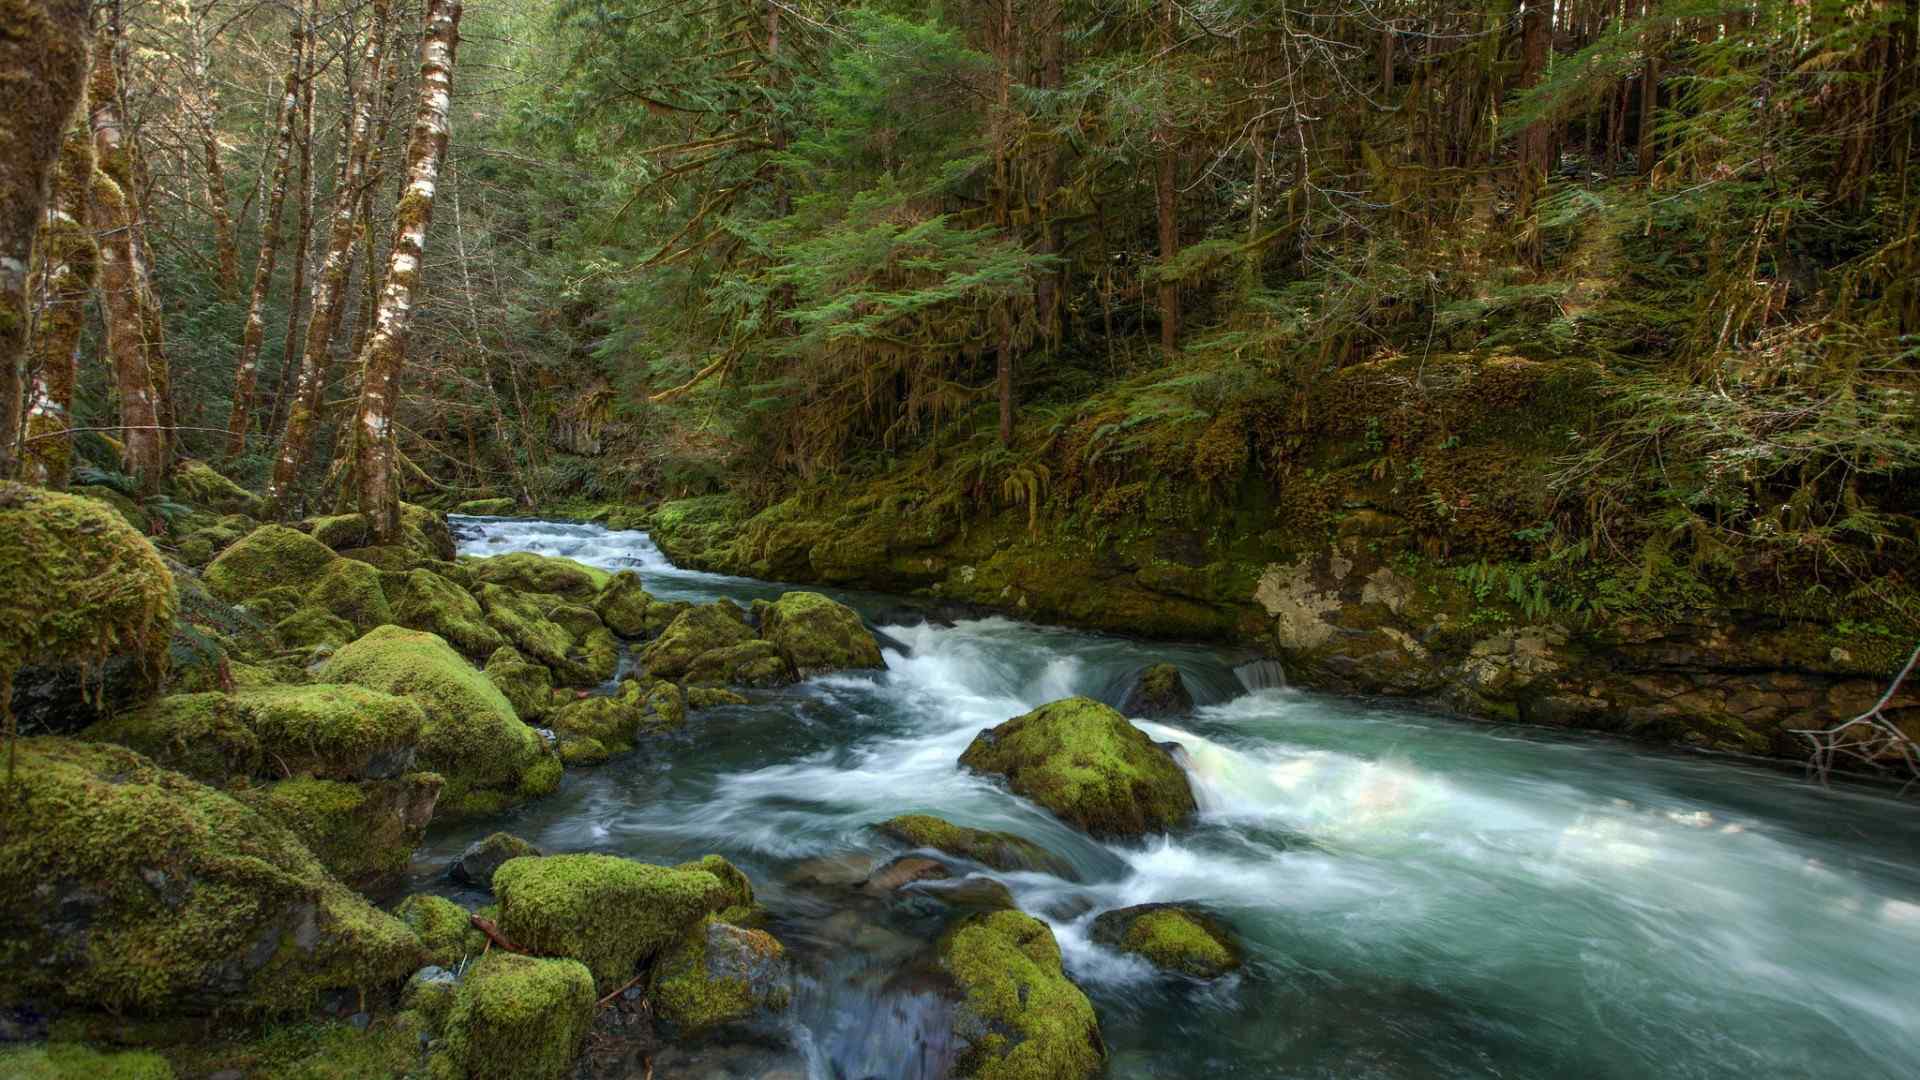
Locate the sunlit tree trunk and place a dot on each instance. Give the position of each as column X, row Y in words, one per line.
column 43, row 66
column 246, row 370
column 72, row 261
column 372, row 444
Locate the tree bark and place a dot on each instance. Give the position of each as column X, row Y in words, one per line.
column 1166, row 201
column 372, row 446
column 204, row 113
column 43, row 67
column 1536, row 140
column 246, row 371
column 72, row 261
column 303, row 247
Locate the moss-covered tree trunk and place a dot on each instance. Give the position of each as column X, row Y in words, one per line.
column 246, row 369
column 329, row 291
column 43, row 65
column 373, row 449
column 72, row 264
column 203, row 113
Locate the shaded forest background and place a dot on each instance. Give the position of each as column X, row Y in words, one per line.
column 1100, row 263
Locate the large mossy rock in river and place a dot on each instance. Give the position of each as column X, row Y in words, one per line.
column 528, row 572
column 471, row 734
column 626, row 607
column 1158, row 691
column 529, row 686
column 1020, row 1017
column 364, row 833
column 1171, row 937
column 517, row 1018
column 267, row 557
column 694, row 632
column 817, row 635
column 1087, row 764
column 445, row 929
column 425, row 600
column 607, row 912
column 998, row 850
column 719, row 974
column 476, row 866
column 522, row 618
column 130, row 887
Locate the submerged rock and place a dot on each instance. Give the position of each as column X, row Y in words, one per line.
column 817, row 635
column 904, row 871
column 608, row 913
column 518, row 1018
column 717, row 974
column 476, row 865
column 131, row 887
column 999, row 850
column 1156, row 692
column 1171, row 937
column 1087, row 764
column 1020, row 1017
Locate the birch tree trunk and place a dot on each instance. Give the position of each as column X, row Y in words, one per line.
column 43, row 66
column 246, row 370
column 329, row 290
column 204, row 112
column 72, row 261
column 372, row 446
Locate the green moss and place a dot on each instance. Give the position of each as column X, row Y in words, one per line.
column 522, row 619
column 597, row 657
column 666, row 706
column 1021, row 1018
column 716, row 974
column 734, row 893
column 443, row 927
column 817, row 635
column 1171, row 938
column 80, row 586
column 207, row 736
column 425, row 600
column 66, row 1061
column 198, row 547
column 582, row 750
column 196, row 482
column 1087, row 764
column 527, row 685
column 312, row 1050
column 707, row 697
column 520, row 1018
column 609, row 913
column 750, row 663
column 365, row 833
column 128, row 510
column 340, row 531
column 527, row 572
column 612, row 722
column 487, row 507
column 273, row 605
column 624, row 605
column 351, row 590
column 312, row 628
column 189, row 899
column 999, row 850
column 1160, row 690
column 270, row 556
column 471, row 734
column 694, row 632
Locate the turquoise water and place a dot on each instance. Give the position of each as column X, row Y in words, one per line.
column 1419, row 896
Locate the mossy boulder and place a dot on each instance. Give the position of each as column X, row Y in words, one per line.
column 528, row 572
column 426, row 600
column 471, row 735
column 198, row 547
column 817, row 635
column 693, row 633
column 750, row 663
column 329, row 731
column 270, row 556
column 126, row 886
column 529, row 686
column 708, row 697
column 582, row 751
column 999, row 850
column 351, row 590
column 732, row 897
column 444, row 928
column 341, row 532
column 623, row 604
column 1020, row 1017
column 476, row 866
column 80, row 586
column 272, row 605
column 518, row 1018
column 596, row 657
column 198, row 483
column 487, row 507
column 1087, row 764
column 73, row 1061
column 522, row 619
column 1171, row 937
column 719, row 974
column 308, row 629
column 365, row 833
column 1159, row 691
column 608, row 913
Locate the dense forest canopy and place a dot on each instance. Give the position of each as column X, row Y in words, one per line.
column 1090, row 260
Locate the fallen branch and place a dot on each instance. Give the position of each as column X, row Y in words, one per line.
column 494, row 935
column 628, row 985
column 1869, row 738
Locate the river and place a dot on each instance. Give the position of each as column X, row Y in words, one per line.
column 1419, row 896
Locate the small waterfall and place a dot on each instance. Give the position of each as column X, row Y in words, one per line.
column 1262, row 674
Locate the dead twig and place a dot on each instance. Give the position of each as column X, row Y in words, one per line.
column 1869, row 738
column 494, row 935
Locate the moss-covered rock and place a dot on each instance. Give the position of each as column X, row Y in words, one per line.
column 613, row 722
column 522, row 619
column 351, row 590
column 708, row 697
column 272, row 605
column 72, row 1061
column 198, row 547
column 1171, row 937
column 365, row 832
column 487, row 507
column 624, row 605
column 1020, row 1018
column 1158, row 691
column 471, row 734
column 341, row 532
column 609, row 913
column 999, row 850
column 198, row 483
column 426, row 600
column 732, row 899
column 80, row 586
column 309, row 629
column 583, row 751
column 718, row 974
column 518, row 1018
column 750, row 663
column 528, row 572
column 131, row 887
column 1087, row 764
column 270, row 556
column 476, row 866
column 529, row 686
column 596, row 657
column 693, row 633
column 444, row 928
column 818, row 635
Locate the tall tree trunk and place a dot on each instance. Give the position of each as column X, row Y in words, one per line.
column 329, row 290
column 1649, row 100
column 372, row 444
column 143, row 447
column 1003, row 205
column 72, row 261
column 204, row 114
column 1166, row 199
column 303, row 246
column 246, row 371
column 1536, row 140
column 43, row 66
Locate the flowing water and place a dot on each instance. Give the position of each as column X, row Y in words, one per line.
column 1418, row 896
